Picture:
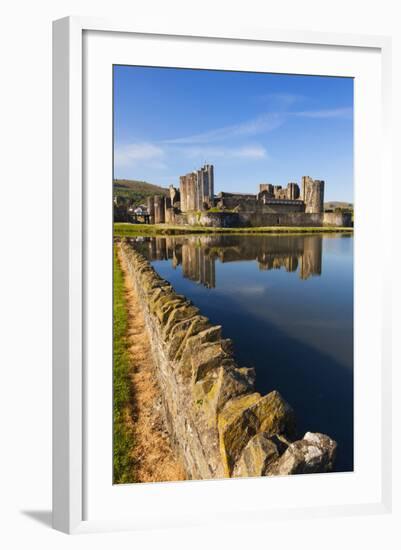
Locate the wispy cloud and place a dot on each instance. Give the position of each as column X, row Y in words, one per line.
column 157, row 156
column 134, row 153
column 261, row 124
column 283, row 100
column 228, row 142
column 343, row 112
column 244, row 152
column 264, row 123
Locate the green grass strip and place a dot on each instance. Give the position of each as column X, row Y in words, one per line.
column 132, row 230
column 123, row 441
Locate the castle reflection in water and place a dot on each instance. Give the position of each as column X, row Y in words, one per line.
column 198, row 254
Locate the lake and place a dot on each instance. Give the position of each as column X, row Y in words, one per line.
column 287, row 303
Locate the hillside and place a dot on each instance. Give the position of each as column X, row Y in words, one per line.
column 137, row 191
column 332, row 205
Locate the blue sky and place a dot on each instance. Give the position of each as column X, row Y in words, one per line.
column 253, row 127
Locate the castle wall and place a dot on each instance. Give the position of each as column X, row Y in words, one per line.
column 151, row 209
column 217, row 424
column 282, row 207
column 160, row 209
column 183, row 193
column 197, row 189
column 337, row 219
column 293, row 191
column 249, row 219
column 267, row 187
column 313, row 195
column 286, row 219
column 237, row 200
column 169, row 212
column 210, row 172
column 209, row 219
column 273, row 206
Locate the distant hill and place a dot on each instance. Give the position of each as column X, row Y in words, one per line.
column 137, row 191
column 332, row 205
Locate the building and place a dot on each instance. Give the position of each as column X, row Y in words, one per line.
column 197, row 189
column 313, row 195
column 196, row 204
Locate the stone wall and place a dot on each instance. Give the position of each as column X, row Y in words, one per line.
column 313, row 195
column 197, row 189
column 218, row 424
column 159, row 209
column 260, row 218
column 236, row 200
column 151, row 209
column 337, row 219
column 284, row 219
column 280, row 207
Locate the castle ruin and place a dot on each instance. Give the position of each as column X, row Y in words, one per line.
column 195, row 203
column 197, row 189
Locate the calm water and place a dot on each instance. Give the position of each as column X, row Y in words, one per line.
column 287, row 303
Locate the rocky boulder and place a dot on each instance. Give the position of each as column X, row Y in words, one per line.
column 258, row 454
column 314, row 453
column 244, row 417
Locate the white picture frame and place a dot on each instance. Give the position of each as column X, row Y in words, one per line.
column 70, row 260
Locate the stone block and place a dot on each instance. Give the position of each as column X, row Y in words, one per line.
column 244, row 417
column 274, row 414
column 192, row 347
column 180, row 313
column 208, row 356
column 236, row 425
column 312, row 454
column 219, row 386
column 258, row 454
column 192, row 327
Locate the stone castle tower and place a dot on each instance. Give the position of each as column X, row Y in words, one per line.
column 197, row 189
column 313, row 195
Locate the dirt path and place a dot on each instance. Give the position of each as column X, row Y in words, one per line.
column 153, row 455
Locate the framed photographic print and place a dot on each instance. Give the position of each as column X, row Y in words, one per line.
column 219, row 324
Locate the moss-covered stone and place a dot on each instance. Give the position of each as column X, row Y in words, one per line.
column 274, row 414
column 236, row 425
column 192, row 346
column 160, row 299
column 178, row 313
column 210, row 355
column 165, row 310
column 175, row 343
column 241, row 419
column 257, row 455
column 151, row 284
column 219, row 386
column 196, row 325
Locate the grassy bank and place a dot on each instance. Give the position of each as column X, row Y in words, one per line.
column 123, row 441
column 132, row 230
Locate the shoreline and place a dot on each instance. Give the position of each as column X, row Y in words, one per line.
column 125, row 229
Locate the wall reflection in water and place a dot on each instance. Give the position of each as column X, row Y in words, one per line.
column 198, row 254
